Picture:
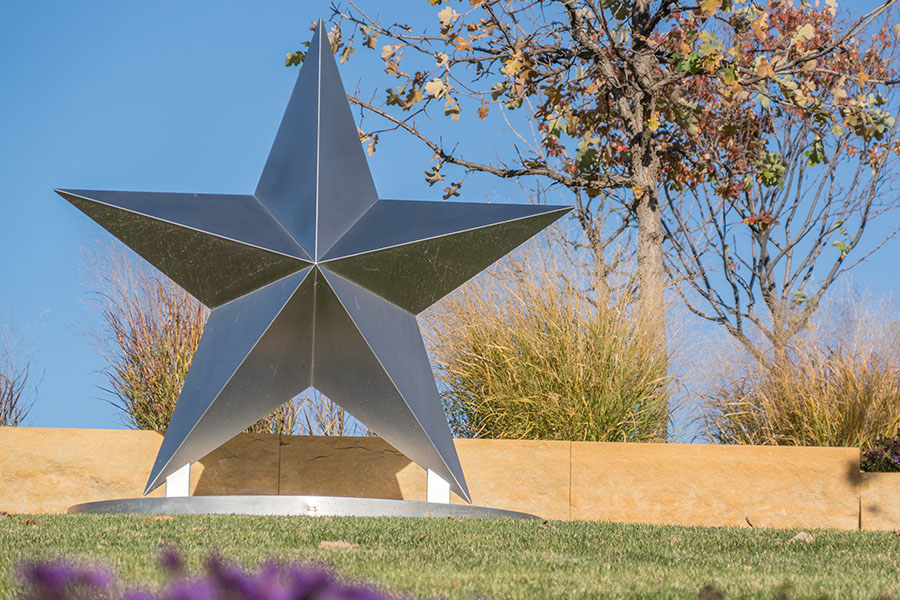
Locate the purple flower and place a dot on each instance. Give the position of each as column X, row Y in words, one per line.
column 48, row 577
column 139, row 595
column 201, row 589
column 897, row 459
column 62, row 581
column 308, row 582
column 170, row 560
column 351, row 593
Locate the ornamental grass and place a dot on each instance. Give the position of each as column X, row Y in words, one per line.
column 835, row 385
column 523, row 353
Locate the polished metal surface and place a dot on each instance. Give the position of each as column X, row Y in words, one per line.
column 312, row 506
column 313, row 281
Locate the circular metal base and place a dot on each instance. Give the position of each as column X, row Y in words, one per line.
column 312, row 506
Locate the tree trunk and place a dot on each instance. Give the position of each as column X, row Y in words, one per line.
column 650, row 267
column 601, row 278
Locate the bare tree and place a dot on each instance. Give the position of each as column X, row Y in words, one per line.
column 17, row 387
column 762, row 262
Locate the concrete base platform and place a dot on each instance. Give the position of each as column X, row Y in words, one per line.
column 311, row 506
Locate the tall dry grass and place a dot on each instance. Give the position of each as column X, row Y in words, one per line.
column 837, row 385
column 523, row 353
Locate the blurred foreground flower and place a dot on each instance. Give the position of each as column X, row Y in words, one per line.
column 62, row 580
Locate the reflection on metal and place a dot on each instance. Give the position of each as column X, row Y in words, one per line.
column 313, row 281
column 312, row 506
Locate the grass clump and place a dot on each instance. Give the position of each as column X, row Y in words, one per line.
column 524, row 354
column 836, row 385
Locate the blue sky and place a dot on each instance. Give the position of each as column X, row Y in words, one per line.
column 161, row 96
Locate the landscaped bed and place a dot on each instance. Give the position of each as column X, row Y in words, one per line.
column 483, row 559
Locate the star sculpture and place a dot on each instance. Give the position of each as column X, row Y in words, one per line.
column 313, row 281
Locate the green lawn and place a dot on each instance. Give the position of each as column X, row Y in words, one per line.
column 481, row 559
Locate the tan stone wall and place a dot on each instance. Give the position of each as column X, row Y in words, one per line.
column 48, row 470
column 699, row 484
column 880, row 501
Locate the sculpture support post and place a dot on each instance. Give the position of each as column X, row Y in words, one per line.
column 178, row 484
column 437, row 488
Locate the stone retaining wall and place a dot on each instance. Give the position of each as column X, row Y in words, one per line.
column 48, row 470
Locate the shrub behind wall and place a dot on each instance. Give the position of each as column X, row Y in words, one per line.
column 839, row 384
column 526, row 355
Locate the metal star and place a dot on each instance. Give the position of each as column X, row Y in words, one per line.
column 313, row 281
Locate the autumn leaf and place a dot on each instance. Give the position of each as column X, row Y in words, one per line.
column 708, row 7
column 433, row 175
column 653, row 123
column 371, row 38
column 461, row 44
column 451, row 109
column 448, row 17
column 804, row 33
column 435, row 87
column 345, row 55
column 452, row 191
column 388, row 51
column 512, row 67
column 760, row 27
column 763, row 68
column 483, row 111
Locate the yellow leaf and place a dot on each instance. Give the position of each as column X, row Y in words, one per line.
column 863, row 78
column 512, row 67
column 708, row 7
column 806, row 32
column 435, row 87
column 447, row 17
column 653, row 123
column 483, row 111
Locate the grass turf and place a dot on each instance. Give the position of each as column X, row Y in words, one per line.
column 479, row 559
